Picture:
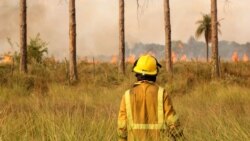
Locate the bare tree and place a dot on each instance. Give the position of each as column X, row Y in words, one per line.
column 169, row 64
column 214, row 39
column 121, row 61
column 72, row 42
column 23, row 36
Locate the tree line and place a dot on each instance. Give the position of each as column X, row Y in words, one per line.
column 121, row 63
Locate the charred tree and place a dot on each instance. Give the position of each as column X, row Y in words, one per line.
column 72, row 42
column 214, row 39
column 121, row 61
column 23, row 36
column 168, row 52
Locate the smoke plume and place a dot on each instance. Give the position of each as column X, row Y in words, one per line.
column 97, row 23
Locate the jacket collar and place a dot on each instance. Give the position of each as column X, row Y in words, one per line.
column 143, row 81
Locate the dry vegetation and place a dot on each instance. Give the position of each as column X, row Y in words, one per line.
column 42, row 106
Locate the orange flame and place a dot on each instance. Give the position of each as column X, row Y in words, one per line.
column 114, row 59
column 184, row 58
column 235, row 57
column 131, row 58
column 245, row 58
column 174, row 57
column 6, row 59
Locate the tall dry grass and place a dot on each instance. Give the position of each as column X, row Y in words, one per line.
column 42, row 106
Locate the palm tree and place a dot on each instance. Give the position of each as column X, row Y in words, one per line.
column 214, row 38
column 169, row 65
column 23, row 36
column 121, row 66
column 204, row 27
column 72, row 42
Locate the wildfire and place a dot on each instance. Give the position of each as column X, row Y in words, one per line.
column 6, row 59
column 245, row 58
column 174, row 57
column 235, row 57
column 184, row 58
column 131, row 58
column 114, row 59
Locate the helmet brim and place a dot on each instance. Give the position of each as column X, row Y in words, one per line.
column 138, row 70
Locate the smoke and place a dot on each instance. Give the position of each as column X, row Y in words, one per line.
column 97, row 23
column 8, row 15
column 10, row 22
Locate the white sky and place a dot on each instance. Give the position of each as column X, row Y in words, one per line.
column 97, row 23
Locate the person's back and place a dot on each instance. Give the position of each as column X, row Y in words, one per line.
column 146, row 112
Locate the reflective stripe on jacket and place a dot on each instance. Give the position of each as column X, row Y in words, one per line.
column 146, row 111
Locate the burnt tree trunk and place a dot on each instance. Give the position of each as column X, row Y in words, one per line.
column 214, row 39
column 23, row 36
column 207, row 46
column 72, row 42
column 121, row 64
column 168, row 56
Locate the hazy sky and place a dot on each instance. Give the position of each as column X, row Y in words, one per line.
column 97, row 23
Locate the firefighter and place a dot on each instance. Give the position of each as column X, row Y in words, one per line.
column 146, row 112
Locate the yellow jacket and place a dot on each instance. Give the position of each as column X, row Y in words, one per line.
column 146, row 114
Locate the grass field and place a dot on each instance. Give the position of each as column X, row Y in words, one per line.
column 42, row 106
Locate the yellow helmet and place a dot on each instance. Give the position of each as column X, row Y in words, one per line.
column 146, row 65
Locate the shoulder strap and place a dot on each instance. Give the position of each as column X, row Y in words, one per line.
column 160, row 106
column 128, row 107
